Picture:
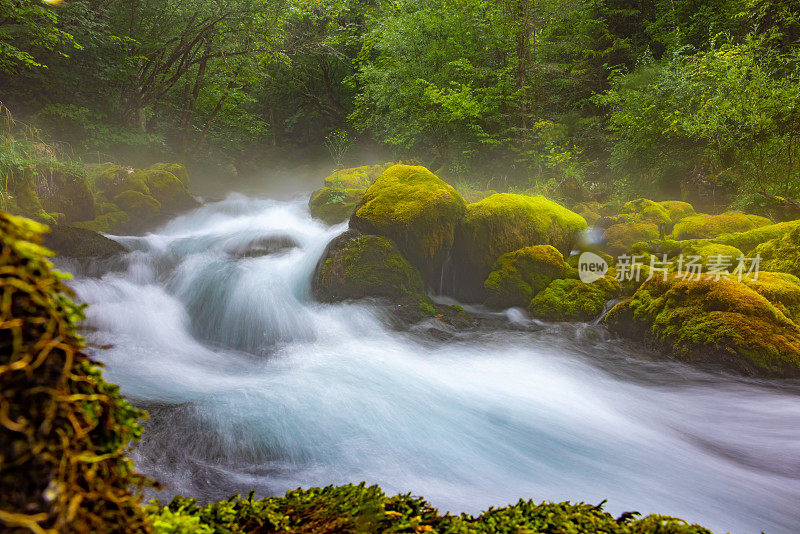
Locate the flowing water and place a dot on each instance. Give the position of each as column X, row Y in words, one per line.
column 251, row 384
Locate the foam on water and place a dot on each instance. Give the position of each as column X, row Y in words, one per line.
column 251, row 384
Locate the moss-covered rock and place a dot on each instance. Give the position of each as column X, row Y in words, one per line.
column 500, row 224
column 643, row 209
column 367, row 510
column 573, row 300
column 725, row 323
column 712, row 253
column 589, row 211
column 70, row 194
column 781, row 254
column 64, row 430
column 177, row 169
column 519, row 275
column 80, row 243
column 333, row 205
column 137, row 204
column 620, row 238
column 356, row 177
column 108, row 223
column 166, row 188
column 356, row 266
column 109, row 180
column 748, row 241
column 415, row 209
column 781, row 289
column 709, row 226
column 677, row 209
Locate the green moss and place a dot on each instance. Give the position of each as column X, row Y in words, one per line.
column 137, row 204
column 748, row 241
column 781, row 254
column 589, row 211
column 416, row 210
column 108, row 180
column 366, row 509
column 620, row 238
column 519, row 275
column 573, row 300
column 70, row 193
column 709, row 226
column 176, row 169
column 166, row 188
column 333, row 205
column 65, row 430
column 355, row 266
column 356, row 178
column 503, row 223
column 781, row 289
column 677, row 210
column 646, row 210
column 725, row 323
column 709, row 251
column 108, row 223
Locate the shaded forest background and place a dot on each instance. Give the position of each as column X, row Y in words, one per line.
column 576, row 99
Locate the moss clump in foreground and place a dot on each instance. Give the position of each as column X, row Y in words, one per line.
column 366, row 509
column 708, row 226
column 724, row 323
column 63, row 429
column 519, row 275
column 503, row 223
column 415, row 209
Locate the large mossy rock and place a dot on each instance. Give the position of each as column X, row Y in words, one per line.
column 70, row 194
column 500, row 224
column 356, row 177
column 334, row 205
column 356, row 266
column 643, row 209
column 724, row 323
column 709, row 226
column 749, row 240
column 415, row 209
column 64, row 431
column 137, row 204
column 781, row 254
column 620, row 238
column 519, row 275
column 677, row 210
column 573, row 300
column 166, row 187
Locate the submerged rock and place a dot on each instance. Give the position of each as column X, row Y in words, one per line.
column 417, row 211
column 264, row 246
column 725, row 323
column 500, row 224
column 519, row 275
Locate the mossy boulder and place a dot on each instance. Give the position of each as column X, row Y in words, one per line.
column 724, row 323
column 108, row 223
column 334, row 205
column 748, row 241
column 677, row 210
column 500, row 224
column 356, row 177
column 166, row 188
column 65, row 430
column 781, row 289
column 71, row 194
column 709, row 226
column 573, row 300
column 781, row 254
column 589, row 211
column 712, row 253
column 356, row 266
column 137, row 204
column 72, row 242
column 109, row 180
column 519, row 275
column 643, row 209
column 620, row 238
column 176, row 169
column 415, row 209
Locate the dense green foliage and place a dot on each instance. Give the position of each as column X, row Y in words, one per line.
column 577, row 100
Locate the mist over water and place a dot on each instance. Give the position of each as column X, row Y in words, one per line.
column 251, row 384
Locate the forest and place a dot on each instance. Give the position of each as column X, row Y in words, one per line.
column 395, row 266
